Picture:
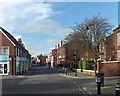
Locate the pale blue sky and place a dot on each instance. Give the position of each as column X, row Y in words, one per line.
column 42, row 25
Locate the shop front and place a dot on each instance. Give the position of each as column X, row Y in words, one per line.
column 21, row 65
column 4, row 65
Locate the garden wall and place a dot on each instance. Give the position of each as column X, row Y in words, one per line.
column 109, row 68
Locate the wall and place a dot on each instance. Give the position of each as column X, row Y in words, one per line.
column 109, row 68
column 89, row 72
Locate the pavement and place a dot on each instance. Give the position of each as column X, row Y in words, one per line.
column 91, row 88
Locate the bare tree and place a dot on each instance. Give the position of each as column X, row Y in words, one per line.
column 86, row 36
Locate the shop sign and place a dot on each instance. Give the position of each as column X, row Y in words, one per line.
column 4, row 58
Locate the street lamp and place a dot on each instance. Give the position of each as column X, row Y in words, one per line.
column 101, row 56
column 75, row 63
column 81, row 64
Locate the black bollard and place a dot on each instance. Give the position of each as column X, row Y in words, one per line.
column 98, row 80
column 76, row 73
column 65, row 71
column 117, row 89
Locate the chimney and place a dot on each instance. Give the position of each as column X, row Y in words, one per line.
column 58, row 45
column 61, row 43
column 20, row 41
column 55, row 46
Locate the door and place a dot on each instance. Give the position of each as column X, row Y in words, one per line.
column 3, row 69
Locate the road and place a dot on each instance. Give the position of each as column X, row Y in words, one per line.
column 42, row 81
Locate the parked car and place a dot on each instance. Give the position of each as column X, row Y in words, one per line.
column 34, row 65
column 47, row 66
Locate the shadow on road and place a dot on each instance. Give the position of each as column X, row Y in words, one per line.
column 42, row 71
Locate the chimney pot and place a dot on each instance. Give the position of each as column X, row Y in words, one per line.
column 61, row 43
column 58, row 45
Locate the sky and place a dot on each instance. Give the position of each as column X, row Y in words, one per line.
column 41, row 25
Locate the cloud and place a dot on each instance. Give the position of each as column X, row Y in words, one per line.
column 18, row 37
column 14, row 12
column 44, row 26
column 30, row 17
column 52, row 41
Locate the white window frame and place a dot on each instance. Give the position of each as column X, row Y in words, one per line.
column 6, row 52
column 118, row 54
column 118, row 39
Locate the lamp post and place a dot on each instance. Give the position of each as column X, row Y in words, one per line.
column 75, row 63
column 102, row 56
column 82, row 65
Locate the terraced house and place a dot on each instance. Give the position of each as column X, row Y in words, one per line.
column 14, row 58
column 117, row 43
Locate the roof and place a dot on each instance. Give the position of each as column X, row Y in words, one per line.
column 110, row 36
column 12, row 39
column 117, row 28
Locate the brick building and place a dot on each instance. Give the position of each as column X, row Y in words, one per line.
column 41, row 60
column 62, row 55
column 106, row 48
column 54, row 58
column 117, row 43
column 14, row 58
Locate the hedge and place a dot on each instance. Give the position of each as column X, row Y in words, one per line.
column 86, row 64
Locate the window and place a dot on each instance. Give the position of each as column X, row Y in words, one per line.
column 118, row 55
column 16, row 52
column 4, row 50
column 103, row 46
column 0, row 50
column 118, row 39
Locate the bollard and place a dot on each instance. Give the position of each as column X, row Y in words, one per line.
column 98, row 80
column 101, row 76
column 102, row 79
column 76, row 73
column 65, row 71
column 117, row 89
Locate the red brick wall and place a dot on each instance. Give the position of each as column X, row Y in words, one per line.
column 6, row 42
column 109, row 68
column 87, row 72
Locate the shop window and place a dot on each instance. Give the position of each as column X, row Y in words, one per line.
column 1, row 68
